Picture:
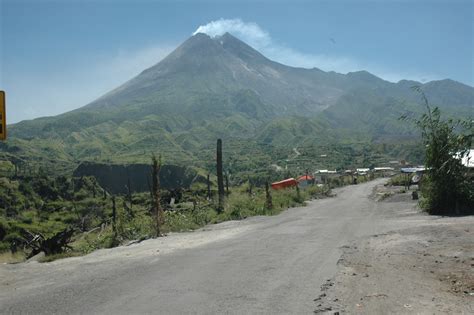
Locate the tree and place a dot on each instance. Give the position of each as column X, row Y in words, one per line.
column 446, row 188
column 129, row 208
column 298, row 194
column 220, row 177
column 208, row 187
column 129, row 193
column 227, row 183
column 157, row 210
column 249, row 190
column 114, row 217
column 56, row 244
column 268, row 201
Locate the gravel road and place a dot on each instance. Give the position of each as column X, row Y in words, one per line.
column 259, row 265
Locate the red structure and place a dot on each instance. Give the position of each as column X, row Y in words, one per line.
column 289, row 182
column 305, row 180
column 305, row 177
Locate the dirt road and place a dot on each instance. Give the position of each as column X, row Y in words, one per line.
column 259, row 265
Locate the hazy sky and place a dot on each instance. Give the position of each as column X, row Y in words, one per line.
column 59, row 55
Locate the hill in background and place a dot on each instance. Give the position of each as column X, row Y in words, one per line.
column 220, row 87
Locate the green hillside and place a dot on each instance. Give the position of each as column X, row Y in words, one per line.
column 211, row 88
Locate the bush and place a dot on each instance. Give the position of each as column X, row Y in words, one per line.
column 242, row 205
column 94, row 241
column 446, row 188
column 399, row 180
column 4, row 227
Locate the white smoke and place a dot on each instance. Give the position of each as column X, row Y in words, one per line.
column 251, row 33
column 255, row 36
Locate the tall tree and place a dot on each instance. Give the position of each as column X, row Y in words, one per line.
column 269, row 201
column 114, row 217
column 129, row 208
column 298, row 194
column 227, row 183
column 129, row 192
column 447, row 188
column 220, row 176
column 249, row 190
column 208, row 187
column 156, row 197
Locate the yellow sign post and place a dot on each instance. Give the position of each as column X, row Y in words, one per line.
column 3, row 117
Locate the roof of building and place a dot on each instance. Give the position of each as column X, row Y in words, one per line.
column 305, row 177
column 468, row 159
column 325, row 172
column 383, row 168
column 413, row 169
column 288, row 180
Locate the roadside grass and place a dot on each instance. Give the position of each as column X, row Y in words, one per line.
column 92, row 216
column 12, row 258
column 398, row 180
column 184, row 216
column 59, row 256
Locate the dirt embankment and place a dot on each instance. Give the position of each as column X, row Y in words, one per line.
column 423, row 270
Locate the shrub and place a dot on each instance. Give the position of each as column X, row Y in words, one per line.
column 446, row 187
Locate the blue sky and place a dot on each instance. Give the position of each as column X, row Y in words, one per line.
column 60, row 55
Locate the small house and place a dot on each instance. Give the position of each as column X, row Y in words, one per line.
column 468, row 159
column 385, row 171
column 305, row 180
column 322, row 176
column 414, row 174
column 468, row 162
column 289, row 182
column 363, row 171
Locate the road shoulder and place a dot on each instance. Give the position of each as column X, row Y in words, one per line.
column 426, row 269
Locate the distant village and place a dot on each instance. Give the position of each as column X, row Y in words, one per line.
column 414, row 173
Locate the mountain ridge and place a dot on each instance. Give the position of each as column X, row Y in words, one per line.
column 220, row 87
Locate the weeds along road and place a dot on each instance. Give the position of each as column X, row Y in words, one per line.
column 259, row 265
